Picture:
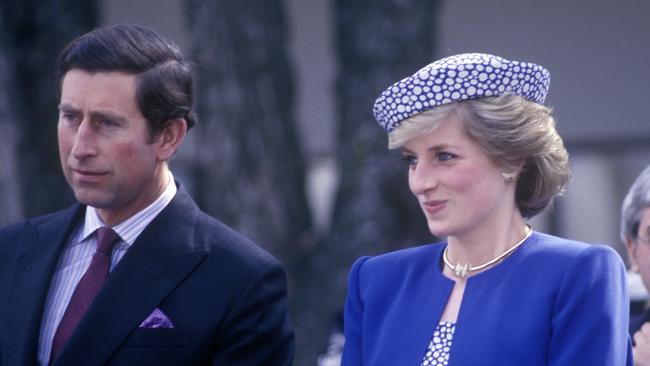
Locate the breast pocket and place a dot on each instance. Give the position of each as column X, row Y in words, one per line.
column 158, row 337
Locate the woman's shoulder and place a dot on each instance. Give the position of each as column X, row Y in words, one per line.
column 401, row 260
column 562, row 249
column 381, row 276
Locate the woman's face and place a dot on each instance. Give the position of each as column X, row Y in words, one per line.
column 458, row 186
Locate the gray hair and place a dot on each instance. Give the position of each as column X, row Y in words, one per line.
column 637, row 198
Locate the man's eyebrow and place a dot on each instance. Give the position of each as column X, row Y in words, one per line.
column 108, row 115
column 65, row 107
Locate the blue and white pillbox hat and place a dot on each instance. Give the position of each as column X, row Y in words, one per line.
column 457, row 78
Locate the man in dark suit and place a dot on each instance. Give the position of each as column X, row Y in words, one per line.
column 134, row 273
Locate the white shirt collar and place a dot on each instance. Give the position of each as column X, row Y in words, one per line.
column 130, row 229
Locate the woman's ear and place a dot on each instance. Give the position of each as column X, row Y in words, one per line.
column 170, row 138
column 630, row 245
column 520, row 166
column 511, row 172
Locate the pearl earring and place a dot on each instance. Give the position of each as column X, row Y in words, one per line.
column 509, row 177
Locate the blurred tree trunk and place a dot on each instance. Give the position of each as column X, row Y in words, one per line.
column 35, row 32
column 248, row 166
column 11, row 208
column 377, row 44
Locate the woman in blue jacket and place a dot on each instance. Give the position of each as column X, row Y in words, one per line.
column 483, row 156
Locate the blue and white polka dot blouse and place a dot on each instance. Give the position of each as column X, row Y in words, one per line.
column 438, row 350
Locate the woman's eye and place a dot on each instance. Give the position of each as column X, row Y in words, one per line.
column 410, row 160
column 444, row 156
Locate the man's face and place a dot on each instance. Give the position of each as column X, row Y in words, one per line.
column 638, row 249
column 105, row 145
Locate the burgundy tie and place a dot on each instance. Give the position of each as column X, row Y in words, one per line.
column 86, row 289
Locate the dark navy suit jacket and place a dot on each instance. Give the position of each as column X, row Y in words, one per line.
column 225, row 295
column 552, row 302
column 636, row 322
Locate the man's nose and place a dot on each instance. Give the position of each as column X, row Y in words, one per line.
column 84, row 141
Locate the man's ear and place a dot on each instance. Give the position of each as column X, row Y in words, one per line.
column 631, row 254
column 170, row 138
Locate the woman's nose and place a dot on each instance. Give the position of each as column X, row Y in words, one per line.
column 422, row 178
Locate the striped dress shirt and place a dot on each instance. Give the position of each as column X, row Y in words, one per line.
column 77, row 254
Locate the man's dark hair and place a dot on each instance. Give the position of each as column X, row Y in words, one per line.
column 164, row 79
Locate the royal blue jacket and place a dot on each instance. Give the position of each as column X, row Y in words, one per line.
column 552, row 302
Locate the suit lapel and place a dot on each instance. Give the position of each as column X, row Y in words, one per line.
column 37, row 258
column 420, row 312
column 155, row 264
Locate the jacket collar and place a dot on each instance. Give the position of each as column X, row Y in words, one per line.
column 40, row 245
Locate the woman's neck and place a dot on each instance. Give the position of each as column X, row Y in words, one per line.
column 485, row 242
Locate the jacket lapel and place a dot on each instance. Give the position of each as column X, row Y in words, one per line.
column 155, row 264
column 428, row 292
column 39, row 251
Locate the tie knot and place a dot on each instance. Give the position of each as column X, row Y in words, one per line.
column 106, row 239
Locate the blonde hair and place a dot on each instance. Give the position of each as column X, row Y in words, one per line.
column 513, row 131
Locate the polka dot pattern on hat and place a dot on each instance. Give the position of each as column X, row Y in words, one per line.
column 457, row 78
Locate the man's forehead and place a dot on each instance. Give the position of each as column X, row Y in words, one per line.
column 82, row 74
column 108, row 94
column 81, row 84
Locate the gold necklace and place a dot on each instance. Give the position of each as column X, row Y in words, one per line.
column 463, row 269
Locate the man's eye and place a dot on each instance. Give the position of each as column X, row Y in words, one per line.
column 107, row 123
column 68, row 117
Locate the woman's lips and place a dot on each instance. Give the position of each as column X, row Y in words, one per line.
column 435, row 206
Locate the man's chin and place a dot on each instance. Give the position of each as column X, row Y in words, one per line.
column 89, row 198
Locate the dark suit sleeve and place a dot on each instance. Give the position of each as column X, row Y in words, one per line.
column 4, row 281
column 257, row 331
column 590, row 317
column 8, row 247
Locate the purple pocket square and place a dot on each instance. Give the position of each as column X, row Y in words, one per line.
column 157, row 319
